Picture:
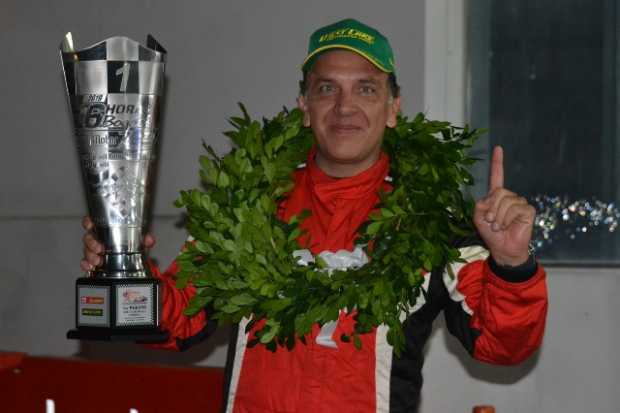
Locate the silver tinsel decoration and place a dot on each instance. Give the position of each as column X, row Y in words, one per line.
column 560, row 218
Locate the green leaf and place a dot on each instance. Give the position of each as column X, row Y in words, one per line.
column 294, row 234
column 373, row 228
column 223, row 180
column 242, row 299
column 269, row 169
column 230, row 308
column 246, row 117
column 320, row 262
column 270, row 334
column 229, row 245
column 260, row 258
column 202, row 247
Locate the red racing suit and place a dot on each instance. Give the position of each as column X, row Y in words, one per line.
column 497, row 313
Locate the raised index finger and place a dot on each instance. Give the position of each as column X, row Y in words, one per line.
column 497, row 169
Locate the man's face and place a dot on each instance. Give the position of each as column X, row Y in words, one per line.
column 348, row 105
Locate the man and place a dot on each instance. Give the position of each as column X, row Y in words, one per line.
column 496, row 305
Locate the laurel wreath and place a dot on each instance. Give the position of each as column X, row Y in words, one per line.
column 241, row 257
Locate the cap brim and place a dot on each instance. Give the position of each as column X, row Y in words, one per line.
column 316, row 52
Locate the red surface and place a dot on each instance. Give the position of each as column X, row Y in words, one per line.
column 98, row 387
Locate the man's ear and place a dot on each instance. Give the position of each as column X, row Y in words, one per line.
column 303, row 105
column 394, row 110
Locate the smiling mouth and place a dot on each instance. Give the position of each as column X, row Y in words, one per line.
column 345, row 128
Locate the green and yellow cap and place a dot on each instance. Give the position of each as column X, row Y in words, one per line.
column 353, row 35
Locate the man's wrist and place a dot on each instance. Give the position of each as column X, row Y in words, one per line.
column 511, row 261
column 515, row 261
column 517, row 273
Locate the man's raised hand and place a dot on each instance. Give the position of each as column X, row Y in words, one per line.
column 504, row 219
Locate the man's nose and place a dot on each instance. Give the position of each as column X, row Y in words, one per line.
column 345, row 103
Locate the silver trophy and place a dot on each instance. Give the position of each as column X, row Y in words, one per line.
column 115, row 90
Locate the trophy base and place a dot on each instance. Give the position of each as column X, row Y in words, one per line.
column 118, row 309
column 98, row 334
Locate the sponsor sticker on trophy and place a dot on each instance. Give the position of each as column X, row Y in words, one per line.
column 115, row 89
column 134, row 303
column 92, row 306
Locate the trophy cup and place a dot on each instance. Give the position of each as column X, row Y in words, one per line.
column 115, row 89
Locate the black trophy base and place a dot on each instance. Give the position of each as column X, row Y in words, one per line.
column 108, row 334
column 118, row 309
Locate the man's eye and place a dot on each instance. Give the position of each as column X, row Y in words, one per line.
column 326, row 88
column 368, row 90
